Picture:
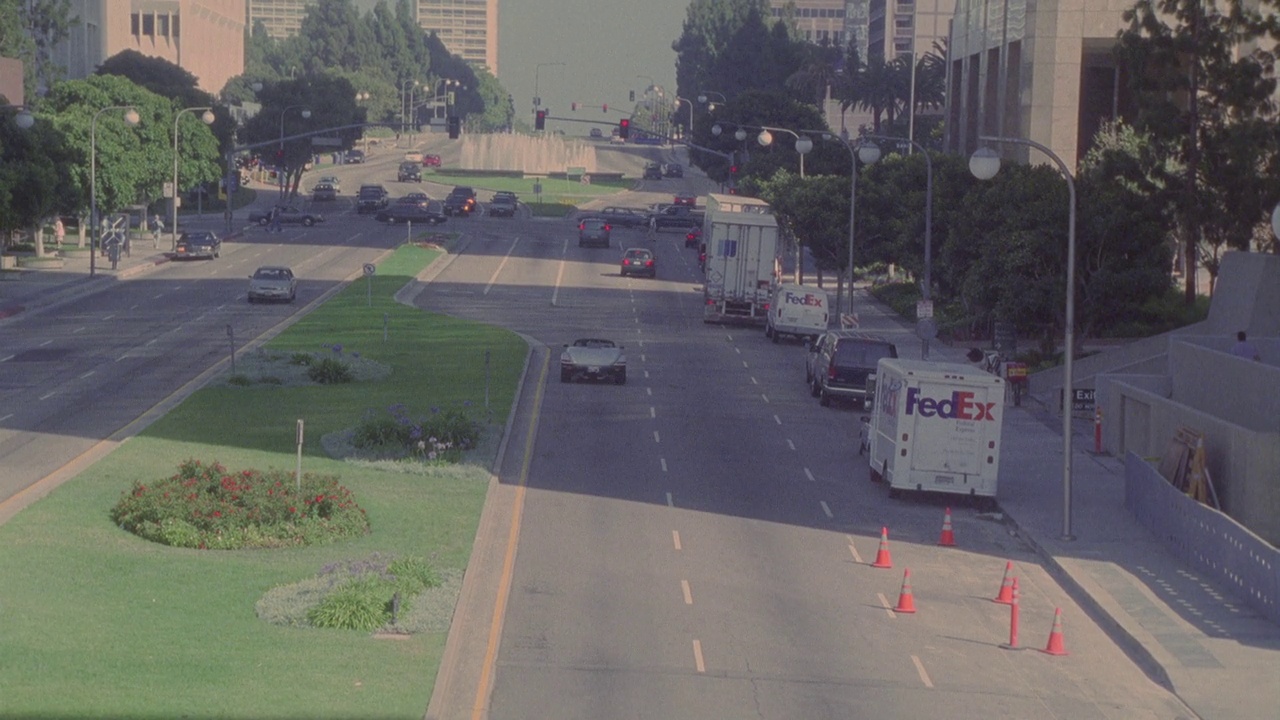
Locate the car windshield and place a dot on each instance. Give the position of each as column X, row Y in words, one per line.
column 196, row 237
column 593, row 343
column 639, row 254
column 862, row 354
column 271, row 274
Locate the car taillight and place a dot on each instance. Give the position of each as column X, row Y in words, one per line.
column 648, row 263
column 766, row 307
column 582, row 226
column 608, row 227
column 831, row 370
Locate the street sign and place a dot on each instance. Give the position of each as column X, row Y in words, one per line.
column 370, row 269
column 924, row 309
column 326, row 141
column 926, row 328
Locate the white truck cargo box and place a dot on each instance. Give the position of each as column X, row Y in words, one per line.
column 742, row 252
column 935, row 427
column 800, row 311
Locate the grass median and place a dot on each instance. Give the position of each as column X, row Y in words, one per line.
column 100, row 623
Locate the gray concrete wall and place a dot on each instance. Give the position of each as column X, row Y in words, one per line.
column 1216, row 382
column 1139, row 416
column 1247, row 296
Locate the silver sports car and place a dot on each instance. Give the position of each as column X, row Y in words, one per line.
column 593, row 359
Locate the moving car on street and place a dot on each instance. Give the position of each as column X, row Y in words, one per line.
column 593, row 359
column 501, row 206
column 461, row 201
column 673, row 170
column 272, row 282
column 842, row 361
column 286, row 215
column 198, row 244
column 355, row 157
column 427, row 213
column 593, row 231
column 331, row 180
column 639, row 261
column 371, row 199
column 622, row 216
column 324, row 192
column 653, row 171
column 431, row 161
column 409, row 172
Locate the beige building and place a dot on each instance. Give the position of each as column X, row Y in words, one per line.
column 1038, row 71
column 281, row 18
column 203, row 37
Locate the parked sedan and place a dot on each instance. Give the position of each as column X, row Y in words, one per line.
column 272, row 282
column 431, row 161
column 593, row 359
column 198, row 244
column 639, row 261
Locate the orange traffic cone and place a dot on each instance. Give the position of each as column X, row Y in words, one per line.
column 948, row 538
column 882, row 555
column 1006, row 586
column 906, row 603
column 1055, row 646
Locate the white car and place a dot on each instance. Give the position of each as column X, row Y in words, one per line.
column 413, row 156
column 593, row 359
column 273, row 282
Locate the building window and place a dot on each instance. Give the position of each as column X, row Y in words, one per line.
column 135, row 24
column 174, row 27
column 149, row 25
column 163, row 21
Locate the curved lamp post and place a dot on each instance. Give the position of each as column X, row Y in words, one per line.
column 207, row 119
column 404, row 84
column 926, row 289
column 984, row 164
column 131, row 118
column 306, row 113
column 803, row 146
column 705, row 100
column 690, row 104
column 869, row 154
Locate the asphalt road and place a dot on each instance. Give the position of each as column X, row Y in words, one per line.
column 696, row 543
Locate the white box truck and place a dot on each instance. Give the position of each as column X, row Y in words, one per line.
column 742, row 263
column 935, row 427
column 798, row 311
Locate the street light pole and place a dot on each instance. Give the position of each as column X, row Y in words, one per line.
column 130, row 118
column 803, row 146
column 207, row 118
column 404, row 84
column 685, row 100
column 305, row 114
column 927, row 290
column 984, row 164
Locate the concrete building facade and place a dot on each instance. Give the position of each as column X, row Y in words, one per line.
column 204, row 37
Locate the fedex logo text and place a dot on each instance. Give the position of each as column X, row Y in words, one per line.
column 960, row 406
column 806, row 299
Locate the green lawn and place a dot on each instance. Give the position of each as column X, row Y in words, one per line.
column 98, row 623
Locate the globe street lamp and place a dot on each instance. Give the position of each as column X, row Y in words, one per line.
column 131, row 119
column 403, row 93
column 925, row 331
column 803, row 144
column 984, row 164
column 685, row 100
column 704, row 99
column 306, row 113
column 207, row 119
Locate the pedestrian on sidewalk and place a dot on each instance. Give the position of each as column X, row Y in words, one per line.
column 1245, row 349
column 157, row 227
column 59, row 231
column 275, row 219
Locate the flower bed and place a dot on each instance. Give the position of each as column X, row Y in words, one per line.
column 206, row 507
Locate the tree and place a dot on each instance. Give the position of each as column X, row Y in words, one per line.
column 29, row 30
column 35, row 176
column 709, row 27
column 1203, row 85
column 814, row 211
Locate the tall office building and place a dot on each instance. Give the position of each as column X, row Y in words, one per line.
column 281, row 18
column 203, row 37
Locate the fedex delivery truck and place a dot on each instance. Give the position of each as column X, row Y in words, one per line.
column 800, row 311
column 935, row 427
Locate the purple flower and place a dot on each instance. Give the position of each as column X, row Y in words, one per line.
column 337, row 347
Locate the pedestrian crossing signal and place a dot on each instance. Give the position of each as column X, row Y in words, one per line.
column 624, row 128
column 540, row 120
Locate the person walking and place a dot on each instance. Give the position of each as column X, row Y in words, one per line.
column 157, row 227
column 1245, row 349
column 275, row 219
column 59, row 231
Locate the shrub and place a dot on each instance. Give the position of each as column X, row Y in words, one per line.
column 441, row 436
column 300, row 358
column 239, row 379
column 360, row 594
column 329, row 371
column 204, row 506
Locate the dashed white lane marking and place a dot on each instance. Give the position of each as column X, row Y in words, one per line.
column 655, row 437
column 765, row 397
column 664, row 464
column 777, row 420
column 653, row 412
column 688, row 594
column 697, row 657
column 46, row 396
column 854, row 552
column 46, row 342
column 498, row 271
column 646, row 373
column 88, row 374
column 155, row 297
column 730, row 337
column 109, row 316
column 648, row 391
column 745, row 365
column 808, row 474
column 643, row 358
column 555, row 294
column 637, row 319
column 738, row 350
column 638, row 331
column 640, row 343
column 151, row 341
column 884, row 601
column 791, row 444
column 675, row 538
column 754, row 381
column 826, row 509
column 77, row 330
column 6, row 417
column 924, row 676
column 671, row 502
column 7, row 359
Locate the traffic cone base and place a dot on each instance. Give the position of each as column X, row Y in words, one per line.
column 948, row 538
column 1055, row 645
column 1005, row 597
column 883, row 560
column 906, row 603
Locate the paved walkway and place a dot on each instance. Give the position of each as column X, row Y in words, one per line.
column 1193, row 636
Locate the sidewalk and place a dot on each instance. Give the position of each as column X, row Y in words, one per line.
column 28, row 290
column 1195, row 638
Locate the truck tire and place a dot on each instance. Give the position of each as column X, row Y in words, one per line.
column 823, row 398
column 815, row 389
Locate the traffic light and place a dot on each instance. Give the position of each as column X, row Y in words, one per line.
column 540, row 120
column 573, row 107
column 624, row 128
column 455, row 127
column 633, row 96
column 605, row 107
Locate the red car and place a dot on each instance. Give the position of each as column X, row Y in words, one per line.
column 431, row 161
column 690, row 200
column 693, row 238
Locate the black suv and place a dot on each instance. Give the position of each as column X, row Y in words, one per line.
column 841, row 362
column 461, row 201
column 371, row 199
column 653, row 171
column 409, row 172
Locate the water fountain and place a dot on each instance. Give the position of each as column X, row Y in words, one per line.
column 532, row 154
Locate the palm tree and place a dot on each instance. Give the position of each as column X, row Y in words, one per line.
column 882, row 88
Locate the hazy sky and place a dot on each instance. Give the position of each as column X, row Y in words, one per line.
column 604, row 45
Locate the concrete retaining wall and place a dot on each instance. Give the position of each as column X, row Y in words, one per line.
column 1205, row 538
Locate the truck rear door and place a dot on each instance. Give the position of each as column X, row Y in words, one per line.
column 952, row 427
